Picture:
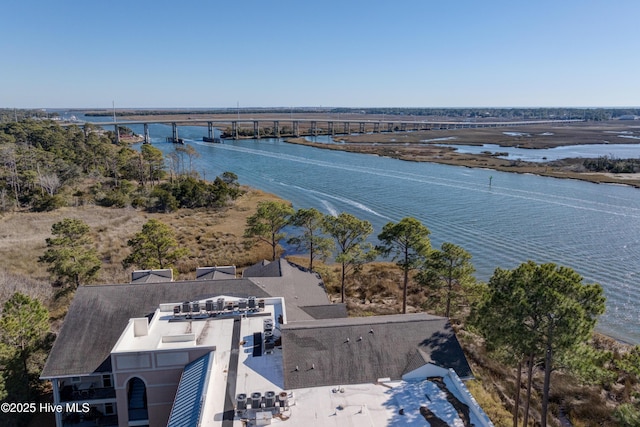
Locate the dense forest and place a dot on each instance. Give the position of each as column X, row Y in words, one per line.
column 45, row 166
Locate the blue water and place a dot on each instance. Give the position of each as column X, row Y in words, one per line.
column 592, row 228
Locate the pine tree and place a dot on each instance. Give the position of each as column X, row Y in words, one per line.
column 154, row 247
column 70, row 254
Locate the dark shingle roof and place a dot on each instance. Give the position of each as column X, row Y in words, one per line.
column 327, row 311
column 152, row 276
column 216, row 272
column 263, row 269
column 98, row 315
column 361, row 350
column 298, row 286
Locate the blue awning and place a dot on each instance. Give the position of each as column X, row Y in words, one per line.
column 187, row 405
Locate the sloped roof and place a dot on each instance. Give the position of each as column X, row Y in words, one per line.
column 361, row 350
column 215, row 273
column 98, row 315
column 152, row 276
column 297, row 285
column 188, row 402
column 327, row 311
column 264, row 268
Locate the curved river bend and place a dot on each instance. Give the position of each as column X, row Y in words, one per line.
column 592, row 228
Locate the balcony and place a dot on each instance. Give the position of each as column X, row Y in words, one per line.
column 73, row 394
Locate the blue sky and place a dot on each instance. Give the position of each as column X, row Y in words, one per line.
column 422, row 53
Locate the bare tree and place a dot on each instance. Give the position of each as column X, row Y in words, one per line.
column 49, row 182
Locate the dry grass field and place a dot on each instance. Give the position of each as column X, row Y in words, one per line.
column 213, row 237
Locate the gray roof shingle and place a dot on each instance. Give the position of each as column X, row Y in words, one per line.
column 98, row 315
column 361, row 350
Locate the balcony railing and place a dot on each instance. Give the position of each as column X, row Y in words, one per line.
column 69, row 394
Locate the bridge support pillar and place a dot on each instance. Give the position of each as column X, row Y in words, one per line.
column 276, row 129
column 330, row 131
column 147, row 138
column 210, row 130
column 347, row 128
column 403, row 127
column 117, row 130
column 234, row 129
column 362, row 127
column 390, row 127
column 296, row 128
column 256, row 130
column 174, row 132
column 416, row 126
column 376, row 127
column 314, row 129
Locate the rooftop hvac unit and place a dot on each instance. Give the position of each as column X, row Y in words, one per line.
column 195, row 307
column 220, row 304
column 270, row 399
column 242, row 304
column 252, row 303
column 186, row 307
column 261, row 304
column 208, row 305
column 256, row 400
column 241, row 402
column 283, row 398
column 176, row 310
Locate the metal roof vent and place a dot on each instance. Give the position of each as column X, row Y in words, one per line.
column 283, row 398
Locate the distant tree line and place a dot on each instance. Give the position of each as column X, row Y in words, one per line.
column 44, row 166
column 593, row 114
column 14, row 114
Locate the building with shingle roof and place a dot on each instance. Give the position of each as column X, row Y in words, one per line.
column 221, row 351
column 362, row 349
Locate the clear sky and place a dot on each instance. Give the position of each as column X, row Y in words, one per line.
column 353, row 53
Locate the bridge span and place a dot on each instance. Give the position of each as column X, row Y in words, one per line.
column 279, row 127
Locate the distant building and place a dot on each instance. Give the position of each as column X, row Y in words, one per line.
column 628, row 117
column 267, row 348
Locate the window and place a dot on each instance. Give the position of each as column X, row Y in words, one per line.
column 106, row 381
column 109, row 409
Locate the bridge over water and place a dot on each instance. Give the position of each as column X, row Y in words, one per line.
column 279, row 127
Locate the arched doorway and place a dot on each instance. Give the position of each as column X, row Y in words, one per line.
column 137, row 400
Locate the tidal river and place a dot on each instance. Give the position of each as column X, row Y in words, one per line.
column 592, row 228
